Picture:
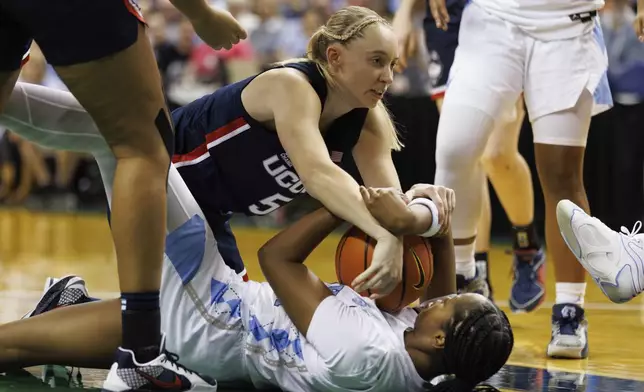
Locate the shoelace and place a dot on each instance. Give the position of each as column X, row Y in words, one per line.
column 525, row 272
column 631, row 234
column 567, row 326
column 173, row 359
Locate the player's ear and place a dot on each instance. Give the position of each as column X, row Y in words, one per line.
column 438, row 340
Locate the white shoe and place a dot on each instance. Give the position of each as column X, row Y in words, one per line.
column 162, row 373
column 614, row 260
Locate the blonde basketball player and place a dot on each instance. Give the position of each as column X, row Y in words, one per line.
column 255, row 145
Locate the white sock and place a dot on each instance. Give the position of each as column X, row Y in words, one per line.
column 570, row 293
column 465, row 264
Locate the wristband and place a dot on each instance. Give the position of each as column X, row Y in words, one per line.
column 434, row 227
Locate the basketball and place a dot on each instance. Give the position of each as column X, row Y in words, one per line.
column 353, row 257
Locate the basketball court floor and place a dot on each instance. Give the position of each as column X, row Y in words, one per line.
column 36, row 245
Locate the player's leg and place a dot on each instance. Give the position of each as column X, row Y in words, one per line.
column 67, row 336
column 106, row 60
column 127, row 104
column 510, row 175
column 109, row 65
column 560, row 122
column 560, row 170
column 485, row 80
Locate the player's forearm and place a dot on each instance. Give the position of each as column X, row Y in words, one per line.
column 295, row 243
column 340, row 194
column 444, row 278
column 418, row 221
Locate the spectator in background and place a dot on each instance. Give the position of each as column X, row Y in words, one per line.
column 296, row 33
column 324, row 7
column 267, row 36
column 625, row 52
column 157, row 31
column 173, row 57
column 626, row 77
column 295, row 9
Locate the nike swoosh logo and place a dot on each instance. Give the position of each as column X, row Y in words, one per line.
column 176, row 384
column 421, row 270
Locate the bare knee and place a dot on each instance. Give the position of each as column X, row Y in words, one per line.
column 147, row 138
column 154, row 160
column 560, row 170
column 499, row 159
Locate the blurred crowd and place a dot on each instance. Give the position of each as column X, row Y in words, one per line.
column 277, row 30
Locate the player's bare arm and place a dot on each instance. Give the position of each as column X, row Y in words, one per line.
column 282, row 258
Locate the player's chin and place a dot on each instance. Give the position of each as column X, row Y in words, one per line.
column 371, row 99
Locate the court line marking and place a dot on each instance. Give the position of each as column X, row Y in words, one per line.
column 554, row 368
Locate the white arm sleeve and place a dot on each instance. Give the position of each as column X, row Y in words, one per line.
column 54, row 119
column 51, row 118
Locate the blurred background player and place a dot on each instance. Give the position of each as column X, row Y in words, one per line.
column 104, row 57
column 556, row 57
column 504, row 165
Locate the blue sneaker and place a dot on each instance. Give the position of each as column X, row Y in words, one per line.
column 529, row 285
column 161, row 374
column 569, row 337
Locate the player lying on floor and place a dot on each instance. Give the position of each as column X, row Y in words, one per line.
column 294, row 332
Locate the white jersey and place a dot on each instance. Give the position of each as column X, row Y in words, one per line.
column 351, row 345
column 546, row 19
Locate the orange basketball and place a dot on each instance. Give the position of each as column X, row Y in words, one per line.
column 353, row 256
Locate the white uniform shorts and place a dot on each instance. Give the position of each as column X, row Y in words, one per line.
column 496, row 61
column 200, row 295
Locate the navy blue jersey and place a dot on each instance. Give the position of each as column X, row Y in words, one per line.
column 442, row 44
column 233, row 163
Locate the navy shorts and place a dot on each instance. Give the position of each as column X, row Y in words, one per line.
column 67, row 31
column 442, row 45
